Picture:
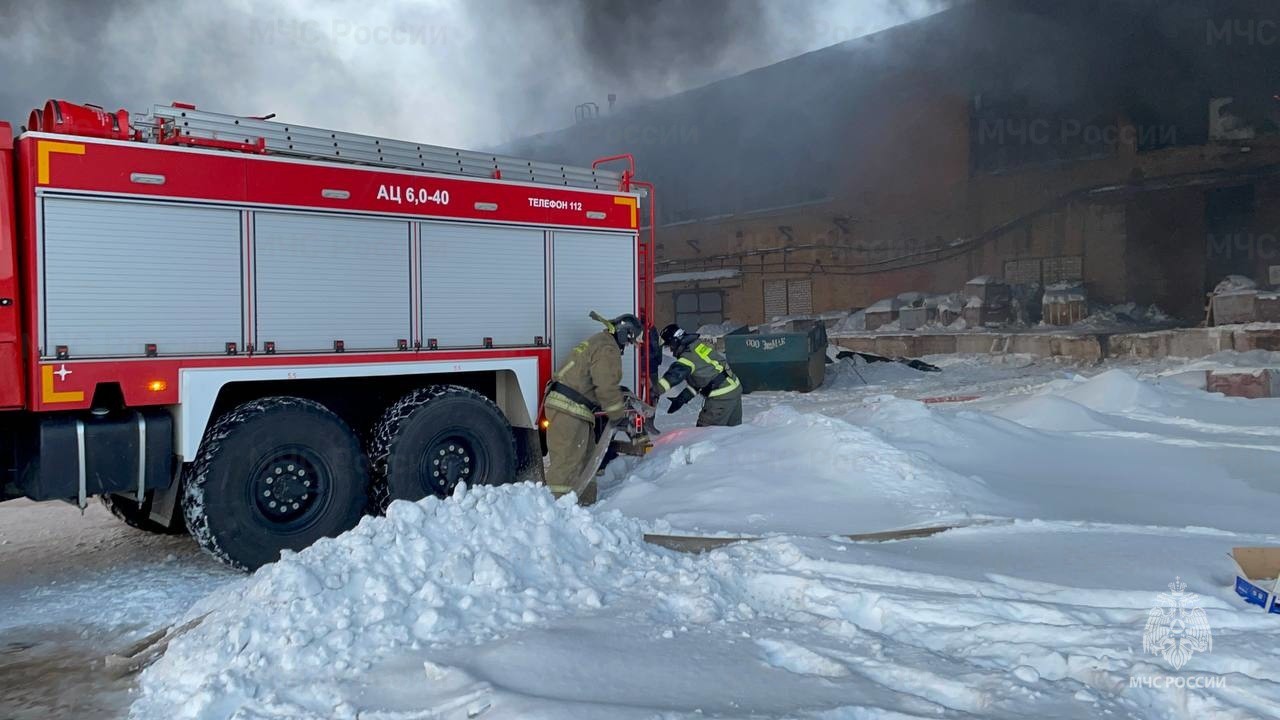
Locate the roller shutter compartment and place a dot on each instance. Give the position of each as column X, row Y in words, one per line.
column 321, row 278
column 483, row 282
column 120, row 275
column 592, row 271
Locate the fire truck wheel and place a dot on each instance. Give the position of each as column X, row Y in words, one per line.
column 436, row 437
column 274, row 474
column 130, row 513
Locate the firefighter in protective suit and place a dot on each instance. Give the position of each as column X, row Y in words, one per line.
column 705, row 371
column 585, row 388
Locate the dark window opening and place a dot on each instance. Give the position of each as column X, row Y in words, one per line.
column 697, row 308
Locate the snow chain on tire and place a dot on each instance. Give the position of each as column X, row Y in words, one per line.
column 389, row 426
column 197, row 473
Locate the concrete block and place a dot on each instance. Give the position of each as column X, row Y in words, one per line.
column 1198, row 342
column 1235, row 307
column 1086, row 348
column 1151, row 345
column 1267, row 307
column 1260, row 383
column 936, row 344
column 1259, row 338
column 857, row 343
column 913, row 318
column 897, row 345
column 1031, row 344
column 976, row 343
column 875, row 319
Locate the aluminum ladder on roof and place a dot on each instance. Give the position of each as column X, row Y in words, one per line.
column 319, row 144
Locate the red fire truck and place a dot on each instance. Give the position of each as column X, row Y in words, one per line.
column 258, row 332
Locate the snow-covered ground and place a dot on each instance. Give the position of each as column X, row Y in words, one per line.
column 74, row 589
column 1083, row 493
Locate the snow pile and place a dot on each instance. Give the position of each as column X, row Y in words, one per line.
column 854, row 322
column 719, row 274
column 1113, row 448
column 853, row 372
column 462, row 570
column 789, row 472
column 1232, row 284
column 1125, row 316
column 719, row 330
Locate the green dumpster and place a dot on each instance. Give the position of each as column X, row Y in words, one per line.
column 794, row 360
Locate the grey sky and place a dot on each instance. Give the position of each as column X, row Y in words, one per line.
column 467, row 72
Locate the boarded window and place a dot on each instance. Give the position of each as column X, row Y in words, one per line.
column 1063, row 269
column 695, row 309
column 775, row 299
column 1045, row 271
column 787, row 297
column 799, row 297
column 1022, row 272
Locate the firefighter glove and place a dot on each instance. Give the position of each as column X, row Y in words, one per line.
column 680, row 401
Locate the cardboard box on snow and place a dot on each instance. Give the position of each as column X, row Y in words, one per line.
column 1259, row 577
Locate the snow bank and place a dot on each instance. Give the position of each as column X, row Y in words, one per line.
column 789, row 472
column 462, row 570
column 1112, row 448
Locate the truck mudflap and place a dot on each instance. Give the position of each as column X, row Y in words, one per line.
column 75, row 456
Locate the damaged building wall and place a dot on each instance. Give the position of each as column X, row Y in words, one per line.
column 1083, row 141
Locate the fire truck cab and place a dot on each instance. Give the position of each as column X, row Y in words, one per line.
column 259, row 332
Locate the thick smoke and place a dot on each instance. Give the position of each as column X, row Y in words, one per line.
column 466, row 73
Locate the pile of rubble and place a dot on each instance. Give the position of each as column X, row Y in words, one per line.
column 984, row 302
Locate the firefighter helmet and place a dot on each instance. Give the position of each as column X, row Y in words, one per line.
column 672, row 335
column 627, row 329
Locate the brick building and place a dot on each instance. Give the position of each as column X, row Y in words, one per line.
column 1132, row 145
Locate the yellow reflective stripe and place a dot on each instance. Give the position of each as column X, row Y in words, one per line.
column 664, row 384
column 559, row 402
column 560, row 489
column 703, row 351
column 614, row 408
column 728, row 388
column 686, row 361
column 567, row 366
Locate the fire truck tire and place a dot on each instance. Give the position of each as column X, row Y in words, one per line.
column 435, row 437
column 139, row 516
column 274, row 474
